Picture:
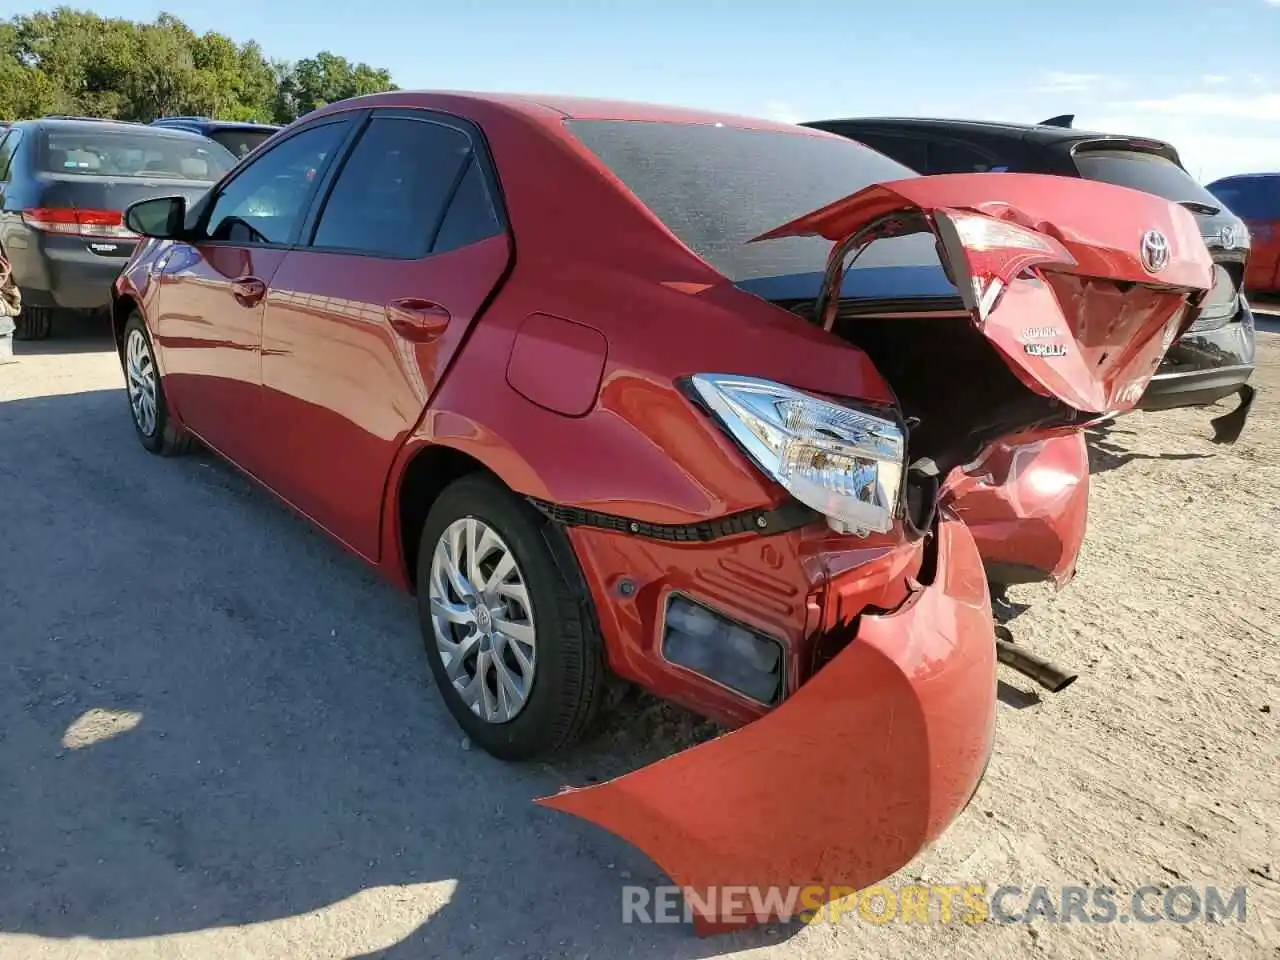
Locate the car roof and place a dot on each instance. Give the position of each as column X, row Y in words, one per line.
column 1040, row 132
column 177, row 123
column 567, row 107
column 78, row 123
column 1246, row 176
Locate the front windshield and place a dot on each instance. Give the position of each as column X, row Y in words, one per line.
column 138, row 153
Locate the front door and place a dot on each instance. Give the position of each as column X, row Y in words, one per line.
column 213, row 292
column 362, row 320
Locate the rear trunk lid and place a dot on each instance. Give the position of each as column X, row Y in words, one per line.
column 92, row 207
column 87, row 192
column 1080, row 287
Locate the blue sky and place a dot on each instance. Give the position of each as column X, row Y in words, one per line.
column 1206, row 77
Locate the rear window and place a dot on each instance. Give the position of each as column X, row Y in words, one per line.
column 1139, row 170
column 108, row 153
column 716, row 187
column 240, row 143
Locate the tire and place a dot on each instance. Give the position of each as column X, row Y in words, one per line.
column 158, row 433
column 565, row 686
column 33, row 323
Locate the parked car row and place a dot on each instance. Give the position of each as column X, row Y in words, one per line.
column 65, row 183
column 708, row 433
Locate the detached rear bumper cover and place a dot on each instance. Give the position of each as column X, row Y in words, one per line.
column 847, row 780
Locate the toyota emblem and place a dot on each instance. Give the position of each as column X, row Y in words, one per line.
column 1155, row 251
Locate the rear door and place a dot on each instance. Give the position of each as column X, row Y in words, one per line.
column 209, row 324
column 362, row 320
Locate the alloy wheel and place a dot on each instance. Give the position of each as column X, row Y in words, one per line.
column 482, row 620
column 140, row 369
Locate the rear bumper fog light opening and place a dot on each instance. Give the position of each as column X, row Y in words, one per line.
column 722, row 650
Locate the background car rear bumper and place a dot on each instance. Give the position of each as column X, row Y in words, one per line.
column 63, row 271
column 1204, row 366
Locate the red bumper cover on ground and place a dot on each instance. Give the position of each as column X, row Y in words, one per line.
column 848, row 779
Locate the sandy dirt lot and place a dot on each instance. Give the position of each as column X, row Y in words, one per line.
column 218, row 737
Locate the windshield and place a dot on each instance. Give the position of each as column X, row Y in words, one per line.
column 1139, row 170
column 240, row 142
column 140, row 153
column 716, row 187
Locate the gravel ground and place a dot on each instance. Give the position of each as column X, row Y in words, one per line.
column 218, row 737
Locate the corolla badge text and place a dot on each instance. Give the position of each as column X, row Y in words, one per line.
column 1040, row 333
column 1154, row 251
column 1045, row 349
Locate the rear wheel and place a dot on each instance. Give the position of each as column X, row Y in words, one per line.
column 33, row 323
column 510, row 643
column 152, row 421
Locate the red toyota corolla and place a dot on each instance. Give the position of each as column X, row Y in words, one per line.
column 634, row 392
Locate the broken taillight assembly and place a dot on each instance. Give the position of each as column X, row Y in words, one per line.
column 993, row 253
column 98, row 224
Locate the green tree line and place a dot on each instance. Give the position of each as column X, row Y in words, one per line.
column 75, row 62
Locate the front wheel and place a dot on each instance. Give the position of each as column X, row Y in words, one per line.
column 152, row 421
column 509, row 641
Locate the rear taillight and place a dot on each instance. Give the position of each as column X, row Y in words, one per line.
column 107, row 224
column 994, row 252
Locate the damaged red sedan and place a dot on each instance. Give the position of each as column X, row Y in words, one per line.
column 640, row 394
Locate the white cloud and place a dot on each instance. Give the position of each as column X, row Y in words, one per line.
column 781, row 111
column 1216, row 132
column 1264, row 107
column 1061, row 81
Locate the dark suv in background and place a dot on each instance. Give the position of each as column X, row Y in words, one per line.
column 1213, row 359
column 64, row 186
column 239, row 138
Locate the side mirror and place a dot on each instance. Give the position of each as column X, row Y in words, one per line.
column 162, row 218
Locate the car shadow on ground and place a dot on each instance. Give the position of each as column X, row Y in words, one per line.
column 71, row 333
column 211, row 717
column 1105, row 454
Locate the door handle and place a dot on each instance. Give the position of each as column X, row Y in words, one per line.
column 248, row 290
column 418, row 320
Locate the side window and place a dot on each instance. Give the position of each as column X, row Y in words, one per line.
column 8, row 147
column 391, row 194
column 265, row 202
column 471, row 216
column 908, row 151
column 950, row 156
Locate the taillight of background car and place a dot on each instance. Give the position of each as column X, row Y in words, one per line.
column 105, row 224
